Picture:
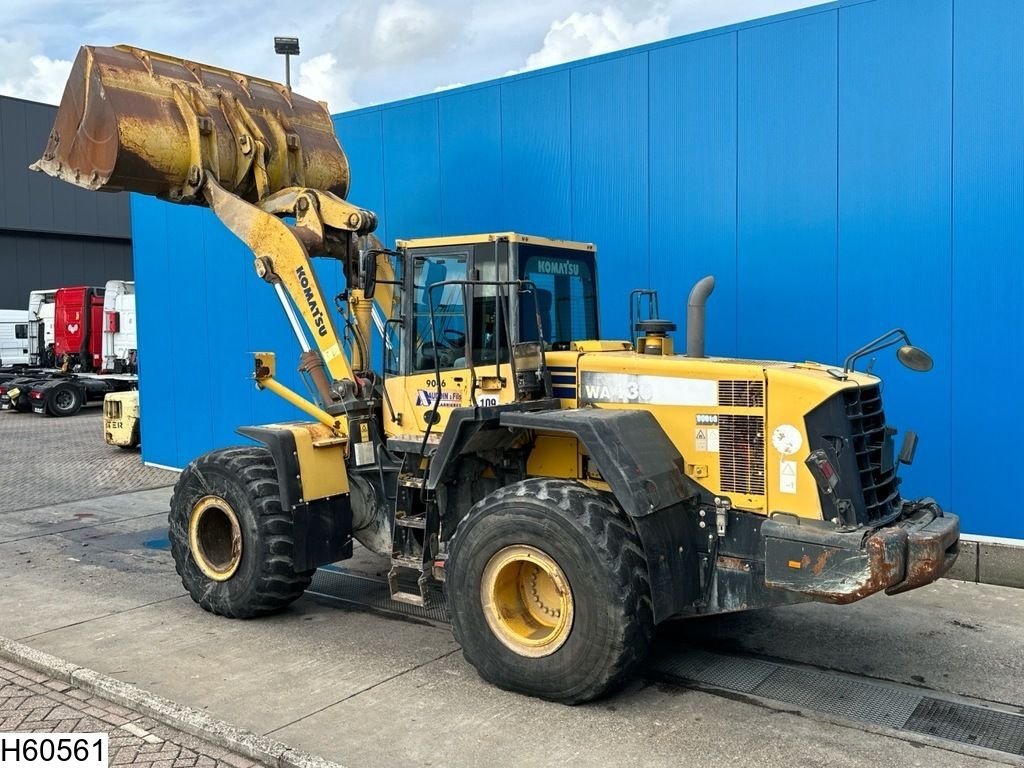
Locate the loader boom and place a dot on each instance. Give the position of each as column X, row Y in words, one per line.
column 252, row 151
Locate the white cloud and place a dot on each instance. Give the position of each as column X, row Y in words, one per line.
column 588, row 34
column 407, row 30
column 30, row 75
column 320, row 78
column 448, row 87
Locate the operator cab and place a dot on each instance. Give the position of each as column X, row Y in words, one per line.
column 472, row 317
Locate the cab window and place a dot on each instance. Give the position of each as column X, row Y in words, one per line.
column 445, row 347
column 565, row 295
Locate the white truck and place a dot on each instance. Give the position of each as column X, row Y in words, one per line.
column 14, row 337
column 120, row 342
column 41, row 308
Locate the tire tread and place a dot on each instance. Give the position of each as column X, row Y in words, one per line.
column 278, row 584
column 617, row 544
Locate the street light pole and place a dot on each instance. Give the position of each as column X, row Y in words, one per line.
column 288, row 47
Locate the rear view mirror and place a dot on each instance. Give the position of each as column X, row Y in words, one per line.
column 914, row 358
column 369, row 273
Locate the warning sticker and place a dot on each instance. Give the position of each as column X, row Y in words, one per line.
column 713, row 439
column 706, row 439
column 787, row 476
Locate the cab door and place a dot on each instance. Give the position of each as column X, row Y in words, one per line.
column 453, row 332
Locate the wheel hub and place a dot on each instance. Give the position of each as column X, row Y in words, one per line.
column 215, row 538
column 64, row 399
column 527, row 601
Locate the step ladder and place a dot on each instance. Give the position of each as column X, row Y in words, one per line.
column 413, row 536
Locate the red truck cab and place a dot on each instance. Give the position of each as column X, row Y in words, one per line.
column 78, row 327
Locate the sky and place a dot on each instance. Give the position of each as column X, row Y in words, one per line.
column 354, row 54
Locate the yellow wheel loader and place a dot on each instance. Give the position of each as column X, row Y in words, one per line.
column 563, row 493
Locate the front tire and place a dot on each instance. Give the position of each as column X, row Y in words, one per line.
column 232, row 544
column 548, row 591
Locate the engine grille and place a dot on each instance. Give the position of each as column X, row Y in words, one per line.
column 744, row 394
column 741, row 453
column 867, row 432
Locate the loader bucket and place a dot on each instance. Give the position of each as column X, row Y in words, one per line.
column 145, row 122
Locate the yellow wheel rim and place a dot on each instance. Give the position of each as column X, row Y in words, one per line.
column 215, row 538
column 527, row 601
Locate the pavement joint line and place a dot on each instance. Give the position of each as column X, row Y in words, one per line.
column 182, row 718
column 100, row 617
column 362, row 691
column 77, row 528
column 106, row 495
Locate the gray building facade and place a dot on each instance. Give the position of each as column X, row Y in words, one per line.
column 51, row 233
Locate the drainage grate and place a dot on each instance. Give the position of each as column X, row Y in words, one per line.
column 840, row 696
column 982, row 727
column 738, row 674
column 335, row 584
column 834, row 693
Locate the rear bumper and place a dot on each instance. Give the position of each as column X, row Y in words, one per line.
column 844, row 566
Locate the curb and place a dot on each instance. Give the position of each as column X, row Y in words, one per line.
column 187, row 719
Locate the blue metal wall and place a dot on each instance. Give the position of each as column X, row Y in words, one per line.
column 841, row 170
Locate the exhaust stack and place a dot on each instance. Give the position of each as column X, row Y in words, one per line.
column 695, row 312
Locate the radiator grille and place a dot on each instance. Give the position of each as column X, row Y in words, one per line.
column 743, row 394
column 867, row 432
column 741, row 453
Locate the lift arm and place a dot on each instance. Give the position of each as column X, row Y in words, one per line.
column 252, row 150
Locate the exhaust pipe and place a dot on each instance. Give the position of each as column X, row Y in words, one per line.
column 695, row 311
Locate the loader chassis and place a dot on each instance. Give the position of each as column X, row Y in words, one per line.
column 561, row 492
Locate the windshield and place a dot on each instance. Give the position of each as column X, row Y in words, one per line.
column 566, row 294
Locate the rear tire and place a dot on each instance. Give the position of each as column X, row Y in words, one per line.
column 64, row 401
column 583, row 539
column 227, row 506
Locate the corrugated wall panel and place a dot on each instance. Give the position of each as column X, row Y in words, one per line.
column 187, row 330
column 14, row 203
column 470, row 147
column 988, row 271
column 693, row 181
column 35, row 202
column 610, row 178
column 820, row 164
column 787, row 189
column 226, row 318
column 894, row 193
column 360, row 135
column 535, row 154
column 412, row 169
column 161, row 395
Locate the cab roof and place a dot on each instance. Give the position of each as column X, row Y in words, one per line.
column 512, row 237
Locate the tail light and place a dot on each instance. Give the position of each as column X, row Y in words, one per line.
column 35, row 394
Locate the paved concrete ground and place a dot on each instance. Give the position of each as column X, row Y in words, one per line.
column 48, row 460
column 92, row 582
column 34, row 703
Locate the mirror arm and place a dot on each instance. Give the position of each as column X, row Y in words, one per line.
column 887, row 339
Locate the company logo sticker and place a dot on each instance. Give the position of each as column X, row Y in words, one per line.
column 427, row 398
